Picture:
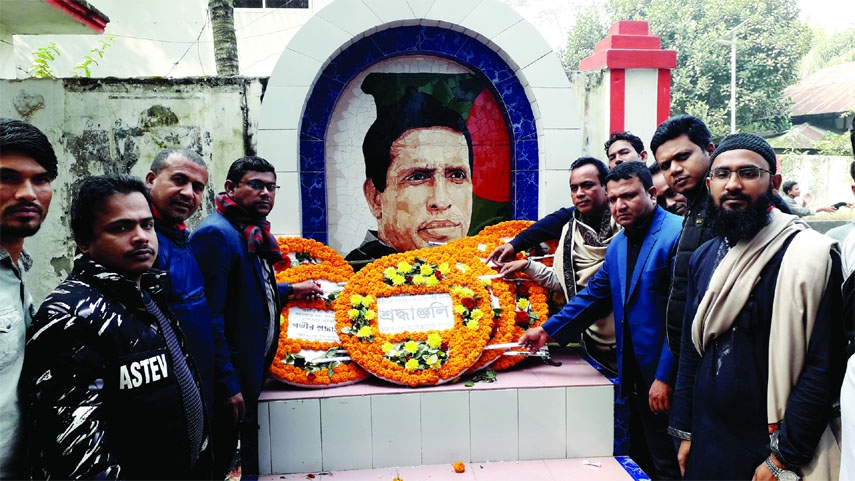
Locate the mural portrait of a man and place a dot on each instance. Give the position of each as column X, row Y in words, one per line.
column 418, row 167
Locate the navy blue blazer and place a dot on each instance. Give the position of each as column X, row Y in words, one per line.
column 234, row 287
column 643, row 304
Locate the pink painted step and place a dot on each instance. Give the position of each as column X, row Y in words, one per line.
column 610, row 469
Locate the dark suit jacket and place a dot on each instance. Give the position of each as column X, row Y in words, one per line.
column 643, row 305
column 234, row 287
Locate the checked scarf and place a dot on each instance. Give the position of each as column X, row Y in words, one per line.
column 255, row 231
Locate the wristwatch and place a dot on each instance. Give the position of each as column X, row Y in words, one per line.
column 781, row 474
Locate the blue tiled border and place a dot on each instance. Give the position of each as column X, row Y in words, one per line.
column 632, row 469
column 414, row 40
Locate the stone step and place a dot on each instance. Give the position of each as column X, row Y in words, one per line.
column 534, row 413
column 619, row 468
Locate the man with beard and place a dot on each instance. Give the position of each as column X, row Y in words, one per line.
column 620, row 147
column 27, row 167
column 236, row 252
column 762, row 351
column 113, row 393
column 176, row 182
column 580, row 253
column 632, row 283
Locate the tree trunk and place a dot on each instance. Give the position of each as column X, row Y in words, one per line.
column 225, row 42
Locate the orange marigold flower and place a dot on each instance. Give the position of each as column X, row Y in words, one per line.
column 459, row 467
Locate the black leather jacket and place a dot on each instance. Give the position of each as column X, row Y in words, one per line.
column 104, row 402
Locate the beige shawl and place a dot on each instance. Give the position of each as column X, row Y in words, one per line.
column 586, row 260
column 805, row 270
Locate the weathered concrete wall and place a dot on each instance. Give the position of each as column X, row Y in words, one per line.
column 117, row 126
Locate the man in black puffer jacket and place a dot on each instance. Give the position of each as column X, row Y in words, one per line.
column 112, row 391
column 682, row 148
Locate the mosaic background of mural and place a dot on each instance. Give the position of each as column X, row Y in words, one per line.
column 381, row 86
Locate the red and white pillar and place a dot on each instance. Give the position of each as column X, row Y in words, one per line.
column 637, row 80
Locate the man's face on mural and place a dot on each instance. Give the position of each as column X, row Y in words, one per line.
column 428, row 194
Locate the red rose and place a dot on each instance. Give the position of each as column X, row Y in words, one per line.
column 469, row 303
column 285, row 263
column 522, row 318
column 522, row 290
column 437, row 274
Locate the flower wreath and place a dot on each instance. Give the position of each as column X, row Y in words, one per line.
column 523, row 304
column 531, row 310
column 308, row 254
column 507, row 230
column 479, row 246
column 296, row 359
column 415, row 358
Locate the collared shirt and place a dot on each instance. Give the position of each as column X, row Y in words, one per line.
column 16, row 314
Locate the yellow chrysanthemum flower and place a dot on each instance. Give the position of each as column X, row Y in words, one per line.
column 364, row 331
column 444, row 269
column 466, row 292
column 412, row 365
column 411, row 347
column 523, row 304
column 390, row 272
column 367, row 300
column 432, row 281
column 476, row 314
column 370, row 314
column 418, row 280
column 473, row 324
column 355, row 300
column 398, row 280
column 433, row 359
column 434, row 340
column 404, row 267
column 458, row 308
column 387, row 347
column 352, row 313
column 486, row 282
column 426, row 270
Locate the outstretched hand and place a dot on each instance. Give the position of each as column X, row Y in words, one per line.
column 511, row 268
column 534, row 339
column 307, row 290
column 501, row 254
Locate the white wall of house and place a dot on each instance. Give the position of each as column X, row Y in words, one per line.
column 172, row 38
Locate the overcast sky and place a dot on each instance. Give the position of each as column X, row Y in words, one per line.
column 554, row 17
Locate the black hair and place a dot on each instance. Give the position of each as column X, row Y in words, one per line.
column 602, row 171
column 415, row 110
column 687, row 125
column 159, row 162
column 250, row 163
column 628, row 170
column 23, row 138
column 92, row 192
column 788, row 186
column 634, row 140
column 654, row 168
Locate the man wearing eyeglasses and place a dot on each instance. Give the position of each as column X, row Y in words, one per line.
column 761, row 359
column 236, row 252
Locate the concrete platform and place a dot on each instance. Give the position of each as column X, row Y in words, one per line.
column 589, row 469
column 536, row 413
